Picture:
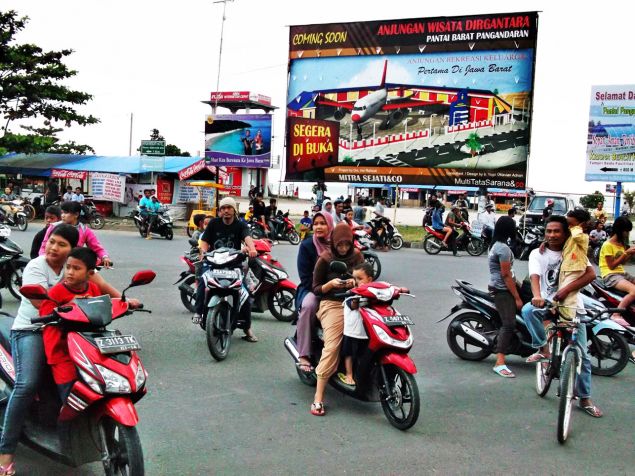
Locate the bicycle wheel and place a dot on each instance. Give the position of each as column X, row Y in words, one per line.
column 546, row 371
column 29, row 211
column 567, row 384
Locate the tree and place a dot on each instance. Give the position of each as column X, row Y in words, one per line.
column 474, row 143
column 629, row 198
column 30, row 82
column 591, row 201
column 170, row 149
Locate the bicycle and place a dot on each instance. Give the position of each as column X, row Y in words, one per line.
column 565, row 364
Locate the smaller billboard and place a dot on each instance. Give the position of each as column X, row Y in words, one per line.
column 311, row 144
column 611, row 134
column 238, row 140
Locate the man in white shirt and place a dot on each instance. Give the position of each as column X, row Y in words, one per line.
column 78, row 196
column 68, row 196
column 379, row 207
column 488, row 220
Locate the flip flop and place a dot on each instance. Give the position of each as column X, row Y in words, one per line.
column 537, row 357
column 592, row 410
column 306, row 368
column 500, row 369
column 250, row 338
column 317, row 409
column 342, row 377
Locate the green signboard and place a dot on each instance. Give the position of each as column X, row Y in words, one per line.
column 152, row 147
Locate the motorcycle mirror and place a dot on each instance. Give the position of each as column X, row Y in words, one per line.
column 142, row 277
column 34, row 291
column 338, row 267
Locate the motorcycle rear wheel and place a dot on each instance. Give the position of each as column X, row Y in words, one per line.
column 125, row 455
column 293, row 237
column 21, row 222
column 29, row 211
column 396, row 243
column 15, row 282
column 189, row 300
column 479, row 324
column 96, row 221
column 431, row 245
column 281, row 304
column 373, row 260
column 169, row 234
column 400, row 402
column 613, row 353
column 218, row 331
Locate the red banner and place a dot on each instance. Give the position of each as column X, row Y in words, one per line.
column 229, row 96
column 165, row 189
column 311, row 143
column 193, row 169
column 69, row 174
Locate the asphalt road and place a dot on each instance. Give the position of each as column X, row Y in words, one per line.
column 250, row 413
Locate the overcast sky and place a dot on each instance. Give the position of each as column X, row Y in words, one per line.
column 159, row 59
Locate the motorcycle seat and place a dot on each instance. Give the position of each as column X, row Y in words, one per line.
column 472, row 290
column 600, row 283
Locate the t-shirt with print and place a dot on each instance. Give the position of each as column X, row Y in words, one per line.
column 611, row 249
column 498, row 253
column 547, row 266
column 37, row 271
column 219, row 235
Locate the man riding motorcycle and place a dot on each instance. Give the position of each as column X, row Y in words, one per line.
column 226, row 231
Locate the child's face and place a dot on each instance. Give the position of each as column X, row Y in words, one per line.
column 349, row 215
column 206, row 222
column 343, row 247
column 69, row 218
column 76, row 273
column 361, row 277
column 50, row 218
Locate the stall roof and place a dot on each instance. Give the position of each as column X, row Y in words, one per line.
column 41, row 164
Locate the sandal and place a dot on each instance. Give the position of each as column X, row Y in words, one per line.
column 304, row 367
column 537, row 357
column 342, row 378
column 592, row 410
column 8, row 470
column 504, row 371
column 250, row 338
column 317, row 409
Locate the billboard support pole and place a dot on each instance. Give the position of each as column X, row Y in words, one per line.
column 394, row 213
column 618, row 196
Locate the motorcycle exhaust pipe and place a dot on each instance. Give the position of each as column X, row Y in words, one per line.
column 470, row 335
column 187, row 288
column 291, row 348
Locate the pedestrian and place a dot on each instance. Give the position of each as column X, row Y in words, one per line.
column 503, row 285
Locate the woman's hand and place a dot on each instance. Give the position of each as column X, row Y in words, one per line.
column 336, row 284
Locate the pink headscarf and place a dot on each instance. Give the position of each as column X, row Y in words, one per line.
column 323, row 244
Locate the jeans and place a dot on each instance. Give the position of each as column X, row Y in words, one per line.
column 27, row 349
column 533, row 318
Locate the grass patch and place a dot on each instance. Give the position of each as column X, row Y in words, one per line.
column 411, row 233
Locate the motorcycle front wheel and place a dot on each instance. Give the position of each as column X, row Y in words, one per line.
column 293, row 237
column 96, row 221
column 29, row 211
column 15, row 283
column 169, row 234
column 400, row 399
column 475, row 247
column 396, row 243
column 459, row 345
column 124, row 454
column 218, row 330
column 373, row 260
column 281, row 304
column 21, row 222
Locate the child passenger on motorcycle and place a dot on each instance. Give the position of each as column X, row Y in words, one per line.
column 79, row 266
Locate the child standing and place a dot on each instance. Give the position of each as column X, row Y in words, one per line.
column 574, row 259
column 79, row 266
column 355, row 338
column 305, row 225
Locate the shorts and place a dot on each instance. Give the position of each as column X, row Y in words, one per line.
column 353, row 347
column 611, row 280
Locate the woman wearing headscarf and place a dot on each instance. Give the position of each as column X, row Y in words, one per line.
column 306, row 301
column 327, row 285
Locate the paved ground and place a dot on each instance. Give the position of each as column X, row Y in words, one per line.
column 249, row 414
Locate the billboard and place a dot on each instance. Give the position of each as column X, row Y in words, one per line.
column 611, row 134
column 238, row 140
column 426, row 101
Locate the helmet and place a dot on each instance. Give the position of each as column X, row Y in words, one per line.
column 549, row 201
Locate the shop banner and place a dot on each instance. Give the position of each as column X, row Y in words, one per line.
column 611, row 135
column 238, row 140
column 68, row 174
column 165, row 190
column 108, row 187
column 441, row 100
column 193, row 169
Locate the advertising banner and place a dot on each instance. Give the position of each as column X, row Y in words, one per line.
column 68, row 174
column 109, row 187
column 238, row 140
column 427, row 101
column 611, row 136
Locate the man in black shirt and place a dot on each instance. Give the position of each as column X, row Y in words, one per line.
column 226, row 231
column 270, row 215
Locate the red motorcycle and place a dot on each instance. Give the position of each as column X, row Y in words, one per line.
column 97, row 422
column 385, row 371
column 283, row 228
column 465, row 241
column 611, row 297
column 271, row 288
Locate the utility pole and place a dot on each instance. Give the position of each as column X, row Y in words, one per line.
column 130, row 139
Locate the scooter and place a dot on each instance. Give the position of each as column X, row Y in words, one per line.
column 162, row 224
column 611, row 297
column 272, row 290
column 466, row 241
column 363, row 244
column 12, row 263
column 393, row 237
column 97, row 422
column 16, row 217
column 282, row 229
column 473, row 332
column 384, row 372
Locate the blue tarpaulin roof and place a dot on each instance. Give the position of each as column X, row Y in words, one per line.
column 41, row 164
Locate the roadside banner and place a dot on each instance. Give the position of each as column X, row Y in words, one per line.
column 108, row 187
column 426, row 101
column 611, row 134
column 69, row 174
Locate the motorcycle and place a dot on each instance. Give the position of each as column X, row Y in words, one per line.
column 385, row 371
column 12, row 263
column 272, row 291
column 611, row 297
column 162, row 224
column 393, row 237
column 97, row 421
column 473, row 332
column 528, row 242
column 466, row 241
column 282, row 229
column 91, row 216
column 16, row 217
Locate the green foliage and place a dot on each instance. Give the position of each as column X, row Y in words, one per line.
column 474, row 143
column 629, row 198
column 592, row 200
column 348, row 160
column 30, row 81
column 170, row 149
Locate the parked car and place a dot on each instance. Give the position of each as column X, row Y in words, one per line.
column 561, row 205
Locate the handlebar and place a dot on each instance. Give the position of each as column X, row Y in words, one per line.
column 44, row 319
column 592, row 313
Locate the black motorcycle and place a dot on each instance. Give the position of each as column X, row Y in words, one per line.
column 162, row 225
column 527, row 242
column 12, row 263
column 473, row 332
column 91, row 216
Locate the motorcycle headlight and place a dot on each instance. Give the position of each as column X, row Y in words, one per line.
column 404, row 344
column 140, row 377
column 91, row 382
column 115, row 383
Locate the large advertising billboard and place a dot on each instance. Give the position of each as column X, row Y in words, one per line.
column 238, row 140
column 427, row 101
column 611, row 134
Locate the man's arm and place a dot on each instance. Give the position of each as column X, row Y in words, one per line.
column 536, row 300
column 586, row 278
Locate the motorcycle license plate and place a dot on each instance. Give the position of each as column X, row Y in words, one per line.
column 224, row 274
column 399, row 320
column 116, row 344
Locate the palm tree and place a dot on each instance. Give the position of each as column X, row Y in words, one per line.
column 473, row 143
